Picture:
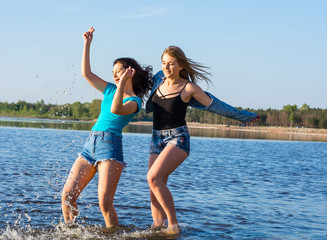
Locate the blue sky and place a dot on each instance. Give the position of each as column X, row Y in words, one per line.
column 262, row 54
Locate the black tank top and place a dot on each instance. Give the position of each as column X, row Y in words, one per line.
column 168, row 112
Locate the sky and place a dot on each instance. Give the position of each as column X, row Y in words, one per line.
column 261, row 53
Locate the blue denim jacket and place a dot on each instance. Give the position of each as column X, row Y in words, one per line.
column 216, row 106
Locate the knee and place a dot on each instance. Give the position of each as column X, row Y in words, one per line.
column 105, row 203
column 154, row 180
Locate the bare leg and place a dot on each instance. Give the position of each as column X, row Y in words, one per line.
column 109, row 174
column 158, row 214
column 80, row 175
column 168, row 160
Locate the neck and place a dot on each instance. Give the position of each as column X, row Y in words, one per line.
column 173, row 81
column 128, row 89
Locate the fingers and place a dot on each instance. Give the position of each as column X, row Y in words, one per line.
column 133, row 72
column 129, row 73
column 256, row 119
column 89, row 33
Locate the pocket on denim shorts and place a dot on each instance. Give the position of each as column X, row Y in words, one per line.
column 180, row 135
column 181, row 140
column 108, row 138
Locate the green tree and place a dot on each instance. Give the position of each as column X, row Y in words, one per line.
column 290, row 109
column 305, row 108
column 95, row 108
column 77, row 109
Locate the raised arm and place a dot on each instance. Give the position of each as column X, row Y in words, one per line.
column 92, row 79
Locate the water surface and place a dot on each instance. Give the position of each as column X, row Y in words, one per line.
column 225, row 189
column 243, row 133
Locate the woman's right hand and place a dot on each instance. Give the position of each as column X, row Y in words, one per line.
column 87, row 36
column 128, row 74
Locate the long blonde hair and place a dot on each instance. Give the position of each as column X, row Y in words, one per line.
column 192, row 70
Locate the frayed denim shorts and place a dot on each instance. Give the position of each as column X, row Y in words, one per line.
column 103, row 146
column 178, row 137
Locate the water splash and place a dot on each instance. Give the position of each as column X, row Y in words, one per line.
column 62, row 231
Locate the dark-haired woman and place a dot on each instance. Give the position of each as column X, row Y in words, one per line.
column 103, row 151
column 174, row 90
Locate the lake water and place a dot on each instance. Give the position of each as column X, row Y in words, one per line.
column 225, row 189
column 245, row 133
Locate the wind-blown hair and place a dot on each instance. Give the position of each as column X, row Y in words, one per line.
column 142, row 79
column 192, row 70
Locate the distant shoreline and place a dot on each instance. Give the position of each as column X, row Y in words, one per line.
column 288, row 130
column 263, row 129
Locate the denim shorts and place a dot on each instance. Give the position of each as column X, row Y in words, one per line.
column 178, row 137
column 102, row 146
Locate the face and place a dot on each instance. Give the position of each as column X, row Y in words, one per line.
column 117, row 71
column 170, row 66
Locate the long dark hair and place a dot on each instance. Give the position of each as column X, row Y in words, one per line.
column 142, row 79
column 192, row 70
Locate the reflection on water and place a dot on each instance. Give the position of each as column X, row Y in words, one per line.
column 135, row 128
column 45, row 123
column 248, row 134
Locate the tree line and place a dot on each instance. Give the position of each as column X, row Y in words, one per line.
column 289, row 116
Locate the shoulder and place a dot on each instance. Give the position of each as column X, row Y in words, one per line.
column 135, row 99
column 139, row 103
column 109, row 88
column 194, row 91
column 192, row 87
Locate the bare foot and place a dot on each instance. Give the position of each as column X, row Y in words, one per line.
column 112, row 229
column 172, row 231
column 158, row 225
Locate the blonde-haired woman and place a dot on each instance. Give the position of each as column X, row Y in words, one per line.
column 174, row 90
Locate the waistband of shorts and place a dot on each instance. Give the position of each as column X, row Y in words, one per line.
column 102, row 133
column 170, row 131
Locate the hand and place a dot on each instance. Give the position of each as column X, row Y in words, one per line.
column 87, row 36
column 256, row 119
column 128, row 74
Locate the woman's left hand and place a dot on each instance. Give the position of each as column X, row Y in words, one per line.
column 256, row 119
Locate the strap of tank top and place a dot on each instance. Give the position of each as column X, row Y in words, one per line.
column 163, row 96
column 184, row 87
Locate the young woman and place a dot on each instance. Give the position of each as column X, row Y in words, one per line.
column 103, row 151
column 174, row 89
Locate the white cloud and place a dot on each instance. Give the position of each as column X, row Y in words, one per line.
column 145, row 12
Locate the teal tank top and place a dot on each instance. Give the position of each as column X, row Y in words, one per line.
column 108, row 121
